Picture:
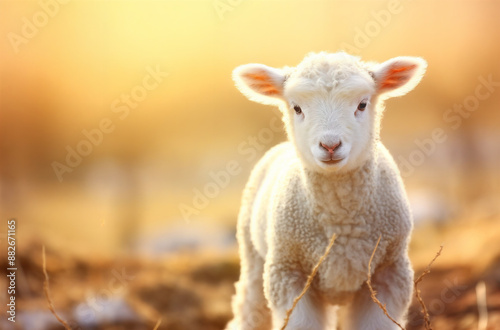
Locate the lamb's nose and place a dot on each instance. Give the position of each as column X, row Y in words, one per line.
column 330, row 148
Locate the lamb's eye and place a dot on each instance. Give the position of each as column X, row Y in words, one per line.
column 297, row 109
column 362, row 106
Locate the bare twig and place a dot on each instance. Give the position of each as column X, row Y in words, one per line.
column 482, row 306
column 427, row 321
column 373, row 292
column 157, row 324
column 309, row 281
column 46, row 290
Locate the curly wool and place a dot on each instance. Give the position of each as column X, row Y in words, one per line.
column 291, row 208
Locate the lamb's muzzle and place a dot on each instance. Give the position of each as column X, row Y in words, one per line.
column 330, row 148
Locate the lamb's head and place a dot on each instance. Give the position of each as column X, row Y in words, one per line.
column 329, row 103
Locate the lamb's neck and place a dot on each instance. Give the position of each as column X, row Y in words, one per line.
column 343, row 192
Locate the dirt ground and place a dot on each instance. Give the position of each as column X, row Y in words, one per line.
column 193, row 290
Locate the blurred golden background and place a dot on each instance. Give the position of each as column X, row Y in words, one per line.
column 121, row 132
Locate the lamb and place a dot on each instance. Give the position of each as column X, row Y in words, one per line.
column 333, row 176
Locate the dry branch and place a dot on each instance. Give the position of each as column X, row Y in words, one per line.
column 373, row 292
column 427, row 270
column 309, row 281
column 482, row 306
column 157, row 324
column 46, row 290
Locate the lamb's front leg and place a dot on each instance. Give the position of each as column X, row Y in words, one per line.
column 249, row 304
column 282, row 284
column 394, row 287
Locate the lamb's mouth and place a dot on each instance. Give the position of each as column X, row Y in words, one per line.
column 332, row 161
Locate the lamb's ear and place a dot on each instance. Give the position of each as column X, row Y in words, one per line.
column 399, row 75
column 260, row 83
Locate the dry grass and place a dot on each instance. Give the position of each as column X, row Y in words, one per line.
column 373, row 292
column 309, row 281
column 198, row 283
column 425, row 312
column 46, row 290
column 482, row 306
column 427, row 270
column 157, row 324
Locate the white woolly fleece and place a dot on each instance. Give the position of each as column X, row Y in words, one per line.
column 301, row 193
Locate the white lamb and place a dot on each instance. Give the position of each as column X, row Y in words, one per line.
column 333, row 176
